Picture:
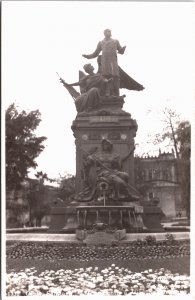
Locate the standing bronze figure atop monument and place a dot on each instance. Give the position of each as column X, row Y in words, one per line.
column 97, row 90
column 109, row 64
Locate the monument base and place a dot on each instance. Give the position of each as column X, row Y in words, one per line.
column 100, row 237
column 152, row 218
column 109, row 218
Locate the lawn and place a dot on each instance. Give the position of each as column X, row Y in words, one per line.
column 179, row 265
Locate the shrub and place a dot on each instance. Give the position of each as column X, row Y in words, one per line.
column 139, row 242
column 150, row 240
column 169, row 239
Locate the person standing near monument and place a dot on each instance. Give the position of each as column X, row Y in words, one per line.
column 109, row 64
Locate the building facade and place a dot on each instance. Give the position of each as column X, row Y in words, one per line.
column 156, row 178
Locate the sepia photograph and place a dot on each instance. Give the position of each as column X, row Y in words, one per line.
column 97, row 114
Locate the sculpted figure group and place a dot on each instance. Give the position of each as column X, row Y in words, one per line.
column 106, row 82
column 105, row 166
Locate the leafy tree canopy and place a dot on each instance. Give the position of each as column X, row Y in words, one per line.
column 22, row 145
column 176, row 133
column 183, row 137
column 67, row 187
column 43, row 176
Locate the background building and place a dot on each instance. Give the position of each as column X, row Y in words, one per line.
column 156, row 178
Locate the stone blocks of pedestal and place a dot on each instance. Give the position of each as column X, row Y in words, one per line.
column 152, row 216
column 100, row 237
column 89, row 130
column 63, row 217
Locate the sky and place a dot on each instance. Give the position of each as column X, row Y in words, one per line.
column 42, row 38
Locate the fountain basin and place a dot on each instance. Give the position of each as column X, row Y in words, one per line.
column 88, row 217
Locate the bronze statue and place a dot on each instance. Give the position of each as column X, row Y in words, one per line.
column 105, row 166
column 99, row 88
column 92, row 87
column 126, row 82
column 109, row 64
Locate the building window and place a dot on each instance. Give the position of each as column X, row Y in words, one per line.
column 150, row 174
column 143, row 175
column 151, row 195
column 166, row 174
column 156, row 173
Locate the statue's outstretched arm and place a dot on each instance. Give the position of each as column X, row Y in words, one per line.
column 95, row 53
column 69, row 88
column 79, row 83
column 121, row 50
column 68, row 84
column 74, row 84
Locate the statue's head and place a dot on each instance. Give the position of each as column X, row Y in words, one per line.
column 88, row 68
column 107, row 145
column 107, row 33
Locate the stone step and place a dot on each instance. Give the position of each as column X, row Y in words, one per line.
column 38, row 237
column 179, row 219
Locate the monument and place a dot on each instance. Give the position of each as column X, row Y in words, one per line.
column 106, row 200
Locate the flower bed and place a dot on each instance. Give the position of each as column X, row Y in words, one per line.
column 138, row 249
column 109, row 281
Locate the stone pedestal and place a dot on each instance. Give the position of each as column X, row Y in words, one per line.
column 112, row 123
column 105, row 215
column 63, row 217
column 152, row 216
column 100, row 237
